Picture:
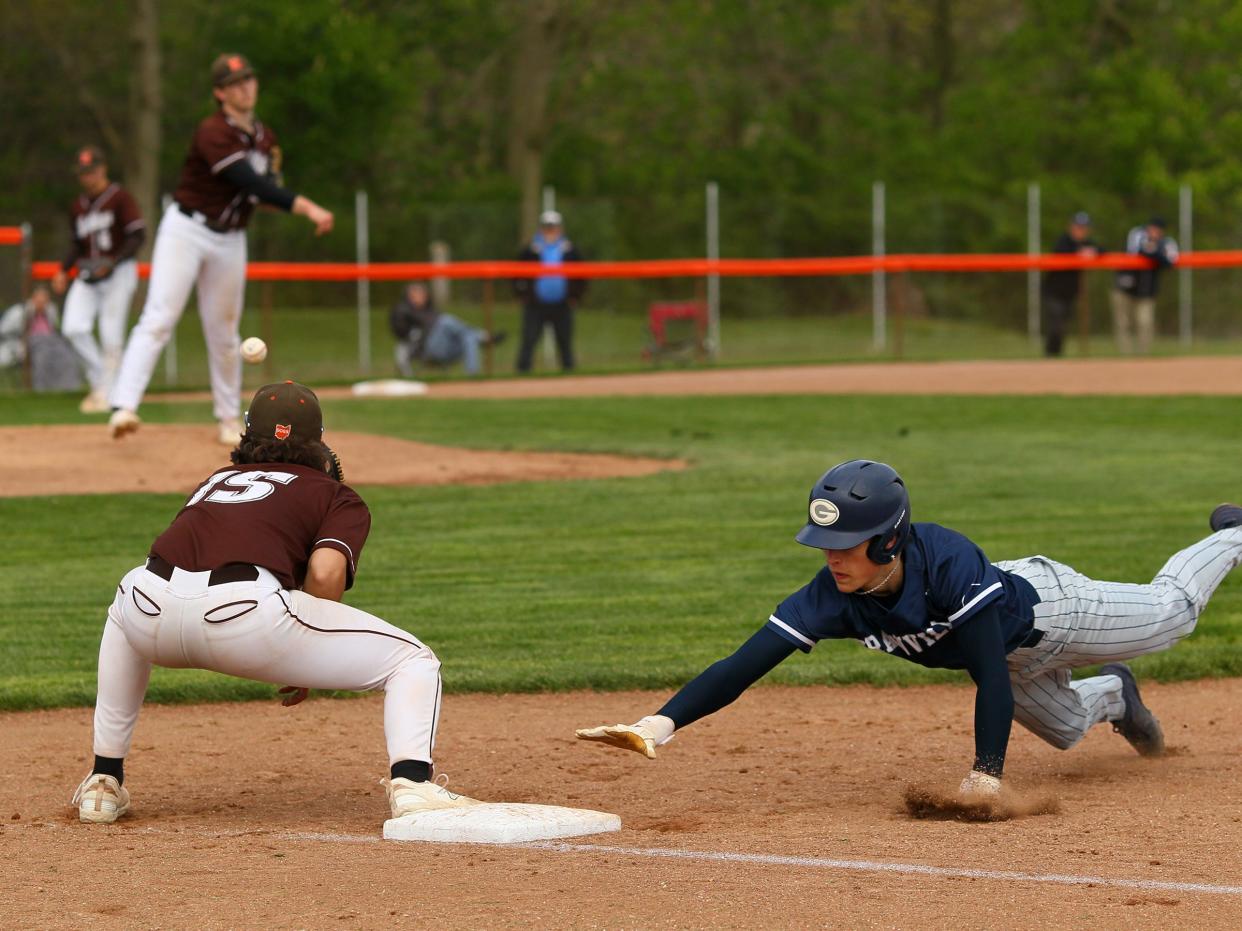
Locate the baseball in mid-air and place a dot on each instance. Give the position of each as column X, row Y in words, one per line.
column 253, row 349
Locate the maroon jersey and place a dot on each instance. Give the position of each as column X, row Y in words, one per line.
column 218, row 142
column 101, row 224
column 272, row 515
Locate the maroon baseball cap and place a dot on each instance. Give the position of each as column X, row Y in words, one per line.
column 284, row 411
column 88, row 157
column 230, row 68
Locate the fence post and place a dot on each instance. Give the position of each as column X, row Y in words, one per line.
column 713, row 279
column 1185, row 290
column 489, row 299
column 879, row 282
column 25, row 282
column 547, row 347
column 1033, row 249
column 362, row 241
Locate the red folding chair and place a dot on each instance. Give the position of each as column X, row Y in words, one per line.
column 678, row 329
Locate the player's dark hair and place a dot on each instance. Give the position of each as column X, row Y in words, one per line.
column 313, row 455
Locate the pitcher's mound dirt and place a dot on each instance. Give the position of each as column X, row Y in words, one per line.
column 70, row 459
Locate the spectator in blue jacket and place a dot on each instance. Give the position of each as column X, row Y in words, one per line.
column 549, row 300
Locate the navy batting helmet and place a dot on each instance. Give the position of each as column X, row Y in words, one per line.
column 856, row 501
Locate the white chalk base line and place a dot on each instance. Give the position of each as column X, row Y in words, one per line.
column 762, row 859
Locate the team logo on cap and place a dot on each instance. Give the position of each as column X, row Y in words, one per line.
column 284, row 429
column 824, row 512
column 235, row 64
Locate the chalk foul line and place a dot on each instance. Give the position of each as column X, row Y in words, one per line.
column 762, row 859
column 828, row 863
column 873, row 866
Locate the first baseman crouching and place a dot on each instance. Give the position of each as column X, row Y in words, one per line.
column 247, row 581
column 929, row 595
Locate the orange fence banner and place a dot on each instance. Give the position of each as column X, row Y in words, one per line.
column 10, row 235
column 695, row 268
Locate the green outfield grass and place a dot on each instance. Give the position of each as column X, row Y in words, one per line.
column 641, row 582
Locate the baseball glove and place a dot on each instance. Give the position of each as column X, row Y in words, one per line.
column 93, row 270
column 333, row 466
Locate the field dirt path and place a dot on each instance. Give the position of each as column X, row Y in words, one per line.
column 252, row 815
column 1181, row 375
column 77, row 459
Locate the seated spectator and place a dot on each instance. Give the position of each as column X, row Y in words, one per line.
column 426, row 334
column 32, row 329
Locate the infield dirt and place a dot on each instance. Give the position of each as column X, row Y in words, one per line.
column 253, row 815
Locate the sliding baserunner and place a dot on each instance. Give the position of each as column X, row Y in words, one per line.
column 929, row 595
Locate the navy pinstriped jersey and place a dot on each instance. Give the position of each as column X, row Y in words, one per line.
column 948, row 580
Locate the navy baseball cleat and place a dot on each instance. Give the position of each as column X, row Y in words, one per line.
column 1226, row 516
column 1138, row 725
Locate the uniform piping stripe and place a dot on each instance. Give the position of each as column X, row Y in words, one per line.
column 343, row 543
column 226, row 161
column 974, row 601
column 789, row 630
column 435, row 716
column 345, row 630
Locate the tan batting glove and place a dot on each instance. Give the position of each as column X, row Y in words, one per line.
column 653, row 731
column 979, row 787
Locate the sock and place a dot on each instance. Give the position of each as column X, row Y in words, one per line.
column 110, row 766
column 413, row 770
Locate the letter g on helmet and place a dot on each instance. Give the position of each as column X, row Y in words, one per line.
column 856, row 501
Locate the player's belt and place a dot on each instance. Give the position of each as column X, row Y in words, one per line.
column 201, row 218
column 233, row 572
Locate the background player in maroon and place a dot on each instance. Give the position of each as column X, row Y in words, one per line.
column 106, row 232
column 247, row 581
column 233, row 165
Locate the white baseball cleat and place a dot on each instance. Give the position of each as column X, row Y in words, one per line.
column 406, row 797
column 230, row 431
column 100, row 799
column 122, row 422
column 94, row 403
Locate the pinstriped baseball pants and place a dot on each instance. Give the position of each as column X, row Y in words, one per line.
column 1087, row 622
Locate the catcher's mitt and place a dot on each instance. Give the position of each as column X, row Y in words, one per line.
column 333, row 464
column 96, row 269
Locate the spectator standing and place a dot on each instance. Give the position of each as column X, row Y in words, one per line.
column 1061, row 287
column 424, row 333
column 1134, row 294
column 549, row 300
column 107, row 230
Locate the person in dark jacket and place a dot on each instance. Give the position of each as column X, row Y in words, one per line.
column 1134, row 294
column 1061, row 287
column 426, row 334
column 549, row 300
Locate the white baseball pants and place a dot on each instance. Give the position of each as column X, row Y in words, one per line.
column 258, row 630
column 107, row 300
column 186, row 255
column 1086, row 622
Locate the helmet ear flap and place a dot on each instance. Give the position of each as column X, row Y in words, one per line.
column 886, row 547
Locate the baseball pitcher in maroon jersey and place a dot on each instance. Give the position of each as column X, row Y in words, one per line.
column 233, row 165
column 247, row 581
column 106, row 232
